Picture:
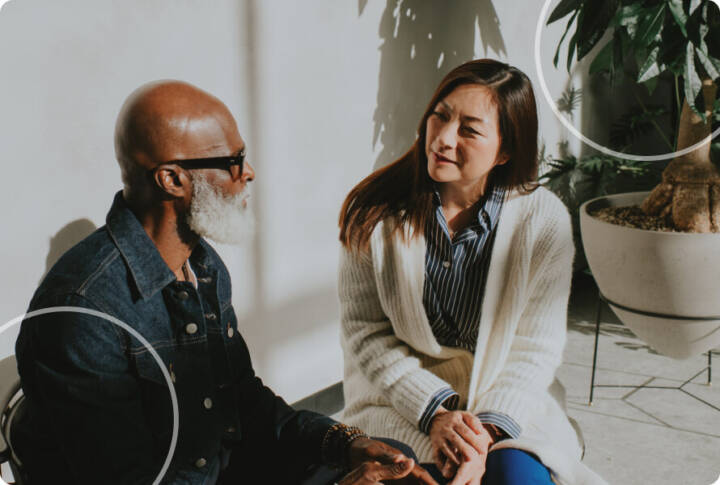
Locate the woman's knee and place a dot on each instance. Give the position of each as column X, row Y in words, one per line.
column 515, row 467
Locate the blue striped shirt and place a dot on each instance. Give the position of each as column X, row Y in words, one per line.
column 455, row 274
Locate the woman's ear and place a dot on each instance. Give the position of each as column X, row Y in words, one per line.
column 502, row 158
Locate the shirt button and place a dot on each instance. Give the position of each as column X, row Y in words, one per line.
column 210, row 316
column 446, row 264
column 206, row 279
column 191, row 328
column 207, row 403
column 230, row 332
column 183, row 295
column 172, row 377
column 201, row 462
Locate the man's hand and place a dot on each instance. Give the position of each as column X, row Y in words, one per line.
column 371, row 472
column 374, row 460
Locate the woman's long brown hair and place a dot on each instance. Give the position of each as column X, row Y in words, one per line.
column 403, row 190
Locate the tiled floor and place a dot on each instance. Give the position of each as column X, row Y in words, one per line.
column 645, row 436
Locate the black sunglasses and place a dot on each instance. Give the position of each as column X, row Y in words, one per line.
column 233, row 163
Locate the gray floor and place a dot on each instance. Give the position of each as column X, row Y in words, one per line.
column 644, row 436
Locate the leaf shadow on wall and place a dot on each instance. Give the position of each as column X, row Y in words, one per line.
column 423, row 41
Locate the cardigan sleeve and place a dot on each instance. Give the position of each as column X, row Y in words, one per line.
column 536, row 349
column 371, row 346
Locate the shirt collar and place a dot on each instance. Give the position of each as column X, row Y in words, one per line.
column 146, row 266
column 488, row 208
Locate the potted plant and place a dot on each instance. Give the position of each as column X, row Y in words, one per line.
column 663, row 284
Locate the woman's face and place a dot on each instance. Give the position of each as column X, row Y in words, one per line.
column 462, row 138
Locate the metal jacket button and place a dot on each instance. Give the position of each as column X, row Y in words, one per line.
column 210, row 316
column 207, row 402
column 191, row 328
column 183, row 295
column 201, row 462
column 230, row 331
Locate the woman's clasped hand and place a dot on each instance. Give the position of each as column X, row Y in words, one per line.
column 460, row 445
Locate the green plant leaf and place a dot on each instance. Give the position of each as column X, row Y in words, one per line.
column 676, row 9
column 694, row 4
column 650, row 68
column 628, row 17
column 696, row 24
column 604, row 60
column 651, row 85
column 636, row 122
column 673, row 48
column 571, row 49
column 692, row 84
column 710, row 64
column 593, row 23
column 650, row 26
column 564, row 8
column 567, row 29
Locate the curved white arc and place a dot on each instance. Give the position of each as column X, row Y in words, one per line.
column 146, row 344
column 583, row 138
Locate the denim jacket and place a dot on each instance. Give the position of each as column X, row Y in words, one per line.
column 98, row 405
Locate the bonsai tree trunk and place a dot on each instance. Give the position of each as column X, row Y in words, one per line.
column 689, row 193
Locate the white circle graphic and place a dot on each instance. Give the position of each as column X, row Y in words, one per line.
column 146, row 344
column 574, row 131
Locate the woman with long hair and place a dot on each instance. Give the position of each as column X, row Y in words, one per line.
column 454, row 282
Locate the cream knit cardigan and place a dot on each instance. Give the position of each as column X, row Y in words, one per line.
column 394, row 364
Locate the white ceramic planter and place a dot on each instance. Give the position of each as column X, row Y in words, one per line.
column 657, row 272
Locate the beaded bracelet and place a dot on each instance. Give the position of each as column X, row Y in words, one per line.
column 336, row 444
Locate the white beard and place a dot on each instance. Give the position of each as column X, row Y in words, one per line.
column 226, row 219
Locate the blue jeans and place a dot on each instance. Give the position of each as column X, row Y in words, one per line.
column 506, row 467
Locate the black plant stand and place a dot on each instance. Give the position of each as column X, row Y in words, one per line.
column 681, row 387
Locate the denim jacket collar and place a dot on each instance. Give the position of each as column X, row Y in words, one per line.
column 148, row 269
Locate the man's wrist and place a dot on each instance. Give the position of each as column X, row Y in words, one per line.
column 335, row 448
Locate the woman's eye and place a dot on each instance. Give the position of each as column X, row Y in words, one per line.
column 440, row 115
column 470, row 130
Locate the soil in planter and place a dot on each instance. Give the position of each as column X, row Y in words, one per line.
column 633, row 216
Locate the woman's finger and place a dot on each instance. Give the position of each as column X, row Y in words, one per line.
column 473, row 421
column 466, row 452
column 450, row 453
column 480, row 442
column 463, row 475
column 439, row 459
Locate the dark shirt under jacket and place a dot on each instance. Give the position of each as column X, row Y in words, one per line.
column 455, row 273
column 99, row 408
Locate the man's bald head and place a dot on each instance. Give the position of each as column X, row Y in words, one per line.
column 170, row 120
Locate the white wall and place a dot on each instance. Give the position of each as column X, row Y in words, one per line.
column 312, row 85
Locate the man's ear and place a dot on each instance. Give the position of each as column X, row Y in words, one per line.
column 172, row 180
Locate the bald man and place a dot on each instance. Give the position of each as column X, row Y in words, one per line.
column 98, row 408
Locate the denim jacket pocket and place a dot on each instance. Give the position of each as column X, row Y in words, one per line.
column 148, row 368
